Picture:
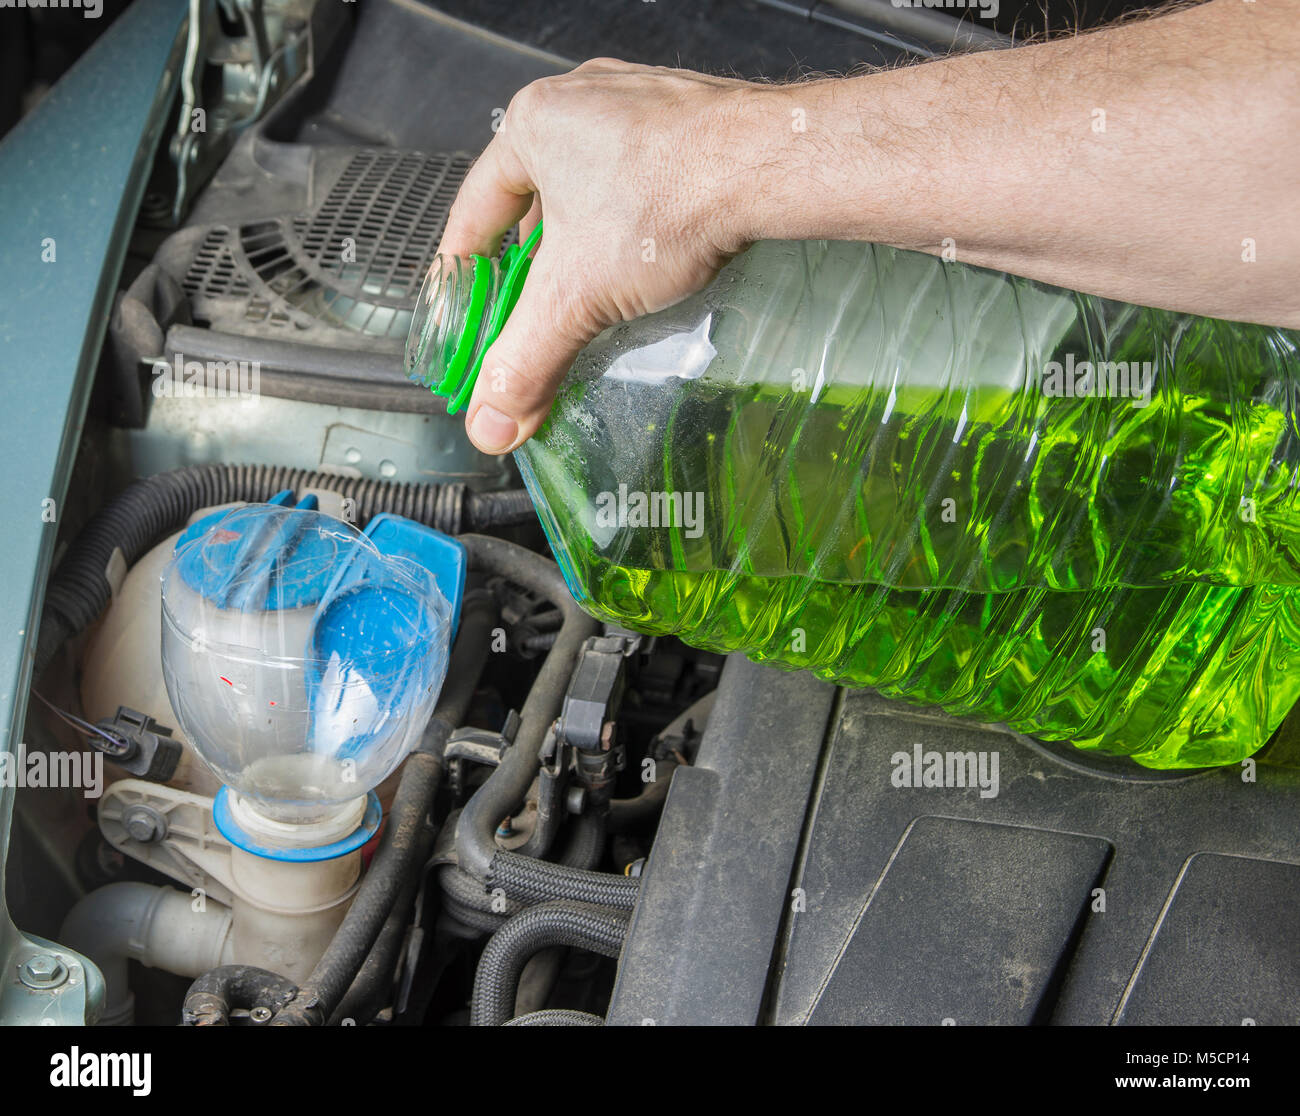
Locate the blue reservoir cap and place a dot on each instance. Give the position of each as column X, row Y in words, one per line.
column 259, row 564
column 442, row 555
column 254, row 560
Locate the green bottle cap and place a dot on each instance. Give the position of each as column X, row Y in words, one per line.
column 457, row 383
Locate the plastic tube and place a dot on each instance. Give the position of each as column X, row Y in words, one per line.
column 157, row 926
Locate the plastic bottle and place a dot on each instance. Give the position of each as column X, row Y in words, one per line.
column 1025, row 505
column 302, row 658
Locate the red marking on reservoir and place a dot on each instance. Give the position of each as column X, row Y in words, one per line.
column 227, row 681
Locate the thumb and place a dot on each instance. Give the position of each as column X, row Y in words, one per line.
column 525, row 365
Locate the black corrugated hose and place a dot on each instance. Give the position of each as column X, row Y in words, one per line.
column 578, row 925
column 408, row 828
column 152, row 507
column 521, row 877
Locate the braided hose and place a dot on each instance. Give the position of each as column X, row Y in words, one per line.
column 577, row 925
column 556, row 1017
column 536, row 881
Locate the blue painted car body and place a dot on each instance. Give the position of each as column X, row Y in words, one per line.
column 72, row 175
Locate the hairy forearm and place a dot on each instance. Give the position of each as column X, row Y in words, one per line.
column 1155, row 162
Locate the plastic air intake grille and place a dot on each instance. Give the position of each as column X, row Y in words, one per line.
column 353, row 265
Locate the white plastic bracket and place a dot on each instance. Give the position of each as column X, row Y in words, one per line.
column 188, row 846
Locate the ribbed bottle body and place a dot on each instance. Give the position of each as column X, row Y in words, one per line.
column 1025, row 505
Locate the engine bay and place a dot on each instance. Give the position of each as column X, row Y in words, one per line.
column 592, row 826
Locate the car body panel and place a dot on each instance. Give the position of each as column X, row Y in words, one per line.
column 74, row 172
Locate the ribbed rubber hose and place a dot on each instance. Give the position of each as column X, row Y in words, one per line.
column 408, row 816
column 152, row 507
column 219, row 991
column 576, row 925
column 521, row 877
column 556, row 1017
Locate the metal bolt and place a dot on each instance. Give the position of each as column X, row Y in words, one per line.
column 43, row 971
column 144, row 823
column 260, row 1014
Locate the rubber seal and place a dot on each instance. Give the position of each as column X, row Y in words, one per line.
column 233, row 832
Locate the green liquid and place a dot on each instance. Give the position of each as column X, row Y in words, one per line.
column 882, row 476
column 1082, row 569
column 1190, row 676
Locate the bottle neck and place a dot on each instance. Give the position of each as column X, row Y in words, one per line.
column 286, row 827
column 450, row 326
column 461, row 309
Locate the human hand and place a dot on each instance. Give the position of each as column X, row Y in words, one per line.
column 628, row 165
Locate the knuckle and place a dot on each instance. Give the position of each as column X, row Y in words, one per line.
column 532, row 100
column 601, row 63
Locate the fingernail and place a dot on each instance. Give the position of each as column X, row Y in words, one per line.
column 492, row 431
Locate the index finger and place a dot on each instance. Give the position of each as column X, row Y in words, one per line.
column 496, row 193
